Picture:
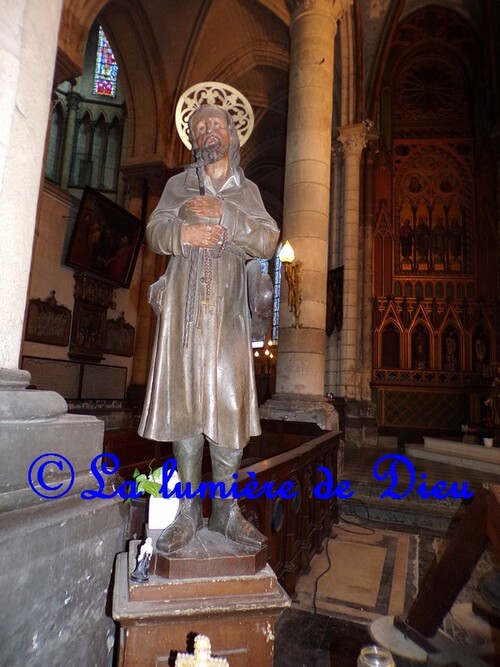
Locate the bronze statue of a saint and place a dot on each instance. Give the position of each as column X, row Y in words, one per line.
column 202, row 380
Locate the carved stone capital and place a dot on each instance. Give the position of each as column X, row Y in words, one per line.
column 74, row 100
column 352, row 139
column 335, row 7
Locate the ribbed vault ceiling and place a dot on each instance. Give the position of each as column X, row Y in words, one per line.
column 165, row 46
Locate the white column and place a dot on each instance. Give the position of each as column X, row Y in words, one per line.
column 28, row 34
column 306, row 211
column 352, row 139
column 300, row 369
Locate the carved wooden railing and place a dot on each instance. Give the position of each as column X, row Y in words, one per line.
column 295, row 527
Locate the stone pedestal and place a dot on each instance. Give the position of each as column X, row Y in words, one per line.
column 57, row 551
column 159, row 618
column 209, row 554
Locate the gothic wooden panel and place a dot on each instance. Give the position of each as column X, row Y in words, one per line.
column 423, row 409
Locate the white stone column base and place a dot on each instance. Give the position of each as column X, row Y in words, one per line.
column 18, row 404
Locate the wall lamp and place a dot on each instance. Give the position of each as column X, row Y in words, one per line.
column 293, row 275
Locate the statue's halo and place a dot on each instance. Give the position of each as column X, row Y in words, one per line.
column 218, row 94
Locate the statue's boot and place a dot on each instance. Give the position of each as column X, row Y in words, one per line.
column 226, row 517
column 188, row 454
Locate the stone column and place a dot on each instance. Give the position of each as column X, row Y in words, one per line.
column 352, row 140
column 29, row 38
column 301, row 355
column 74, row 100
column 104, row 156
column 89, row 160
column 335, row 244
column 367, row 285
column 50, row 544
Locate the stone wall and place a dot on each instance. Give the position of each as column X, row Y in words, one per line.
column 56, row 555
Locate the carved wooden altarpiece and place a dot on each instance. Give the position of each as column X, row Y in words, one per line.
column 88, row 333
column 433, row 310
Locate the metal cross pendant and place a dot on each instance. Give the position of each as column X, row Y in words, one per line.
column 207, row 279
column 208, row 303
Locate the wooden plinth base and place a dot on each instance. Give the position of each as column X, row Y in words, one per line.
column 159, row 618
column 209, row 554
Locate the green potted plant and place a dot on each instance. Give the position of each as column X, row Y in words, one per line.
column 161, row 511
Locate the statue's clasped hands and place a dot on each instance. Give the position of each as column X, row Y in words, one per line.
column 204, row 235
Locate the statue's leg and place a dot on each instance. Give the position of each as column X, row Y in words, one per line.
column 226, row 517
column 188, row 454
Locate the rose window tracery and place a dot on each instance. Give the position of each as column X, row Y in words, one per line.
column 430, row 87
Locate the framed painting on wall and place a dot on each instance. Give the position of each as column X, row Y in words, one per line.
column 105, row 240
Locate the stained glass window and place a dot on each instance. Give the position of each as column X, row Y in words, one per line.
column 264, row 267
column 106, row 69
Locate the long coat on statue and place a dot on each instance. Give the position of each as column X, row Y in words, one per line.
column 202, row 376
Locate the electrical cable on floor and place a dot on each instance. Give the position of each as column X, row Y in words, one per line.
column 364, row 531
column 332, row 537
column 366, row 521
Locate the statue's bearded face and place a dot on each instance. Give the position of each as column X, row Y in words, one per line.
column 211, row 133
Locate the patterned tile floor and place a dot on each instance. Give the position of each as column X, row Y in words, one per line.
column 305, row 639
column 358, row 467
